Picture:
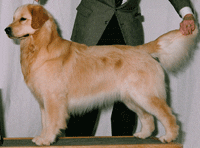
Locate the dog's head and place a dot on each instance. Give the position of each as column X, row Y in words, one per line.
column 26, row 21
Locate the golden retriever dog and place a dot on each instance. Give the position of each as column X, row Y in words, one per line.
column 68, row 77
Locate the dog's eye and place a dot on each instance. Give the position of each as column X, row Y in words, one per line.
column 22, row 19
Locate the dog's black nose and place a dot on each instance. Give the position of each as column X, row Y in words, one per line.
column 8, row 30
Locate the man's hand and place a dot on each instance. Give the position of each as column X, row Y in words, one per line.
column 187, row 26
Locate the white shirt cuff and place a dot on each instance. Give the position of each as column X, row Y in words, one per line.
column 185, row 10
column 124, row 1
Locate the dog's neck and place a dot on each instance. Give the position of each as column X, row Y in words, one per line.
column 45, row 35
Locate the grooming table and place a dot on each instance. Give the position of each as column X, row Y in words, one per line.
column 92, row 142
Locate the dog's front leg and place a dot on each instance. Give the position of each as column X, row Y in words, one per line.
column 37, row 139
column 54, row 117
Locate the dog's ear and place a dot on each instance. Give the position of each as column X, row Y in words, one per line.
column 39, row 16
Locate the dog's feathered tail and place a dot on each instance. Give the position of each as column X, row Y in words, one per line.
column 173, row 49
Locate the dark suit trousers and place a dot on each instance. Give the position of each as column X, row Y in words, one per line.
column 123, row 120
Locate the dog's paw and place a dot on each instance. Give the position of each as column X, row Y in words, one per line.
column 170, row 136
column 141, row 135
column 39, row 140
column 166, row 139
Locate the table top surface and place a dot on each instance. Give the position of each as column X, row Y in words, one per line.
column 77, row 141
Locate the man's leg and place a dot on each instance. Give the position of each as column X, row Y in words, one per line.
column 123, row 120
column 82, row 125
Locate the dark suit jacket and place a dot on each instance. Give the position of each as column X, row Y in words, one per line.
column 94, row 15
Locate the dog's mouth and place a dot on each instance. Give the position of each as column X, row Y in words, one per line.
column 26, row 35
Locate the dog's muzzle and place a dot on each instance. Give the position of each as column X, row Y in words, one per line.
column 8, row 31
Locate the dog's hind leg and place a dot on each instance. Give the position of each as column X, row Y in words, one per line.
column 164, row 114
column 146, row 119
column 159, row 108
column 54, row 117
